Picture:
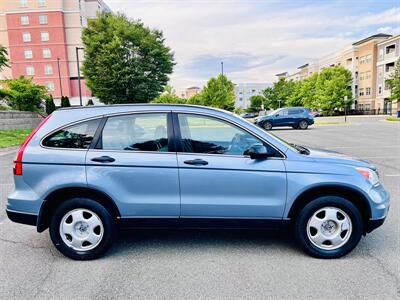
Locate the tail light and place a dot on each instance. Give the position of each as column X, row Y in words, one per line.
column 20, row 153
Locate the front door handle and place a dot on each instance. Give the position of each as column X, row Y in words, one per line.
column 196, row 162
column 103, row 159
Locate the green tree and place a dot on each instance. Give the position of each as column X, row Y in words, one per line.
column 196, row 99
column 23, row 94
column 308, row 91
column 89, row 102
column 277, row 95
column 332, row 85
column 65, row 101
column 50, row 106
column 256, row 103
column 3, row 57
column 219, row 92
column 296, row 97
column 125, row 62
column 169, row 98
column 394, row 82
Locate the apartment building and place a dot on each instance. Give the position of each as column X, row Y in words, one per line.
column 361, row 59
column 388, row 53
column 41, row 37
column 244, row 91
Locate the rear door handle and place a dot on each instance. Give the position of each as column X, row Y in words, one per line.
column 196, row 162
column 103, row 159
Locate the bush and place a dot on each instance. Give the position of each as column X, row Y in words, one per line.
column 90, row 102
column 50, row 106
column 65, row 102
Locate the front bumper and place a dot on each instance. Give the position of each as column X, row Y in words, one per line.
column 373, row 224
column 22, row 218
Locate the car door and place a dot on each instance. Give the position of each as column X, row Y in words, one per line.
column 217, row 179
column 135, row 164
column 281, row 118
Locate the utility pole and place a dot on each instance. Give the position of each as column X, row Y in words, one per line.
column 79, row 74
column 59, row 75
column 222, row 68
column 345, row 109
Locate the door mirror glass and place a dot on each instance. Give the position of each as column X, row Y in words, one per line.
column 258, row 151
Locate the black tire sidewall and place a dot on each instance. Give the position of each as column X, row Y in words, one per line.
column 333, row 201
column 265, row 125
column 108, row 226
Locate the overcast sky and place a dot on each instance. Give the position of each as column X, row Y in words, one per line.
column 257, row 39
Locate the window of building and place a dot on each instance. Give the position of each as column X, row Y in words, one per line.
column 391, row 49
column 361, row 77
column 26, row 37
column 23, row 3
column 136, row 132
column 30, row 71
column 368, row 75
column 387, row 85
column 368, row 58
column 380, row 90
column 46, row 53
column 362, row 60
column 367, row 106
column 367, row 91
column 77, row 136
column 28, row 54
column 48, row 69
column 42, row 3
column 43, row 19
column 361, row 92
column 44, row 36
column 24, row 20
column 380, row 55
column 50, row 86
column 380, row 71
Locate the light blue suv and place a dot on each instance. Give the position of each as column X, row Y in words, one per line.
column 85, row 172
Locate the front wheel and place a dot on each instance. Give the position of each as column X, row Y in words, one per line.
column 329, row 227
column 82, row 229
column 267, row 125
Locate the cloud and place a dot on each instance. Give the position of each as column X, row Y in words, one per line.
column 255, row 39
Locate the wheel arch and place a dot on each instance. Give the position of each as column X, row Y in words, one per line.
column 58, row 196
column 349, row 193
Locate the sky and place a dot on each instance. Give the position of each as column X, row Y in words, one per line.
column 257, row 39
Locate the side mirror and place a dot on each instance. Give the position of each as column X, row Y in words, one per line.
column 258, row 151
column 277, row 115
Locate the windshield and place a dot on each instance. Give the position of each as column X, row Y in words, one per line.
column 294, row 147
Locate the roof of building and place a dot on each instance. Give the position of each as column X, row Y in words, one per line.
column 193, row 88
column 303, row 66
column 390, row 39
column 378, row 35
column 282, row 74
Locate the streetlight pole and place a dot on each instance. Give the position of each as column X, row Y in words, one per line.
column 345, row 109
column 59, row 75
column 222, row 67
column 79, row 74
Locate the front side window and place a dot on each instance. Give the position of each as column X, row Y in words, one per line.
column 201, row 134
column 77, row 136
column 136, row 132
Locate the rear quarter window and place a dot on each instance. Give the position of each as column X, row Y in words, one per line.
column 78, row 136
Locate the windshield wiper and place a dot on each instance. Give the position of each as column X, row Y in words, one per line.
column 301, row 149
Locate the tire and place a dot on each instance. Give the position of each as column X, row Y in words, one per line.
column 303, row 125
column 267, row 125
column 331, row 240
column 82, row 229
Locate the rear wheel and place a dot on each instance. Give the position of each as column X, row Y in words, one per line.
column 267, row 125
column 303, row 124
column 82, row 229
column 329, row 227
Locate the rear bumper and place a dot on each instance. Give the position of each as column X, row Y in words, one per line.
column 22, row 218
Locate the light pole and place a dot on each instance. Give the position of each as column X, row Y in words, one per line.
column 79, row 73
column 279, row 102
column 345, row 109
column 222, row 67
column 59, row 75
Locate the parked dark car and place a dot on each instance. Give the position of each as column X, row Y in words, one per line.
column 296, row 117
column 248, row 115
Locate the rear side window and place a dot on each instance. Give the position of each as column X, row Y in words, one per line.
column 295, row 111
column 78, row 136
column 136, row 132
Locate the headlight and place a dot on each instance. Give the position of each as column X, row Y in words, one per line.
column 369, row 174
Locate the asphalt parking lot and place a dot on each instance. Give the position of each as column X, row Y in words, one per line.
column 218, row 264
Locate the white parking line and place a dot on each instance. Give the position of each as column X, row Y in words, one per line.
column 393, row 175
